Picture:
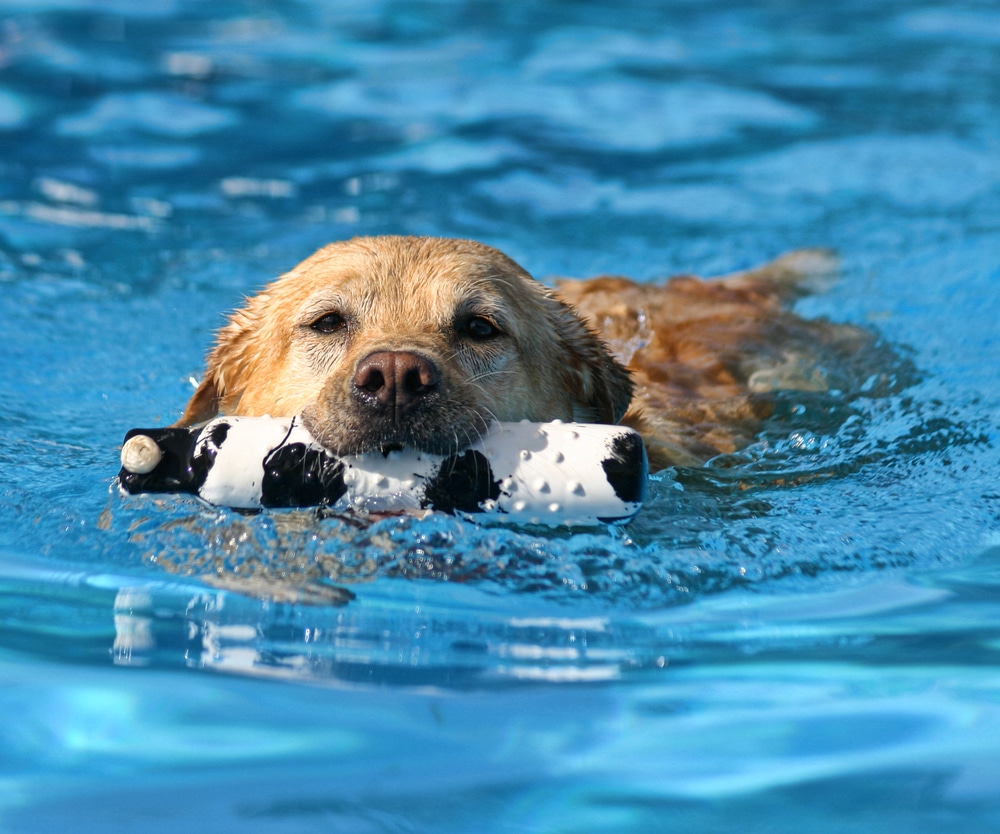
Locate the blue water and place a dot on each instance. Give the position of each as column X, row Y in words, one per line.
column 801, row 638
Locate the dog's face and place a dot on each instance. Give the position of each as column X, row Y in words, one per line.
column 419, row 342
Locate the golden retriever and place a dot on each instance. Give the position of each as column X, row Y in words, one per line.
column 385, row 342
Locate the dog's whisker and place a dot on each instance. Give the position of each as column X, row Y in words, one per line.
column 496, row 372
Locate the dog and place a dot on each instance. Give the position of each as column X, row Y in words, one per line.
column 386, row 342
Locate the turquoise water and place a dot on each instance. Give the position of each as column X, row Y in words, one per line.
column 802, row 638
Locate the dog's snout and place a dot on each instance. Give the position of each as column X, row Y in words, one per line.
column 395, row 380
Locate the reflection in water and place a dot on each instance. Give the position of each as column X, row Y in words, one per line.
column 134, row 640
column 380, row 645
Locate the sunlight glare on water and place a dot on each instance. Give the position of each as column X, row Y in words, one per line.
column 798, row 636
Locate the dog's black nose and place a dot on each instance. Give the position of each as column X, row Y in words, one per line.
column 395, row 379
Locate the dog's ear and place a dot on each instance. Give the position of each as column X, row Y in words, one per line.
column 227, row 367
column 600, row 385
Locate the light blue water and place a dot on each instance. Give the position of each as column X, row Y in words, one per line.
column 818, row 657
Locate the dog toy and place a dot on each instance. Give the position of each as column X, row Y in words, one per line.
column 531, row 473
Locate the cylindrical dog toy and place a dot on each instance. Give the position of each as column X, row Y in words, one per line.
column 530, row 473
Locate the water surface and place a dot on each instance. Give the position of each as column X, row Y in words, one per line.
column 800, row 637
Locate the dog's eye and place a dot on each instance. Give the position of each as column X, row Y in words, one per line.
column 480, row 329
column 330, row 323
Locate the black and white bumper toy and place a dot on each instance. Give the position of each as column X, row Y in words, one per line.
column 531, row 473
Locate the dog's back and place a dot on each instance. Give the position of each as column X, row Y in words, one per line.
column 708, row 356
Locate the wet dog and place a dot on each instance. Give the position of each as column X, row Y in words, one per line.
column 386, row 342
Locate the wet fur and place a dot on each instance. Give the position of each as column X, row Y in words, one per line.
column 703, row 357
column 707, row 357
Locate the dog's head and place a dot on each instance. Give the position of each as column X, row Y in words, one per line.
column 419, row 342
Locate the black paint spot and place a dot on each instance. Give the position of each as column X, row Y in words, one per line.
column 299, row 476
column 179, row 470
column 462, row 484
column 627, row 469
column 218, row 435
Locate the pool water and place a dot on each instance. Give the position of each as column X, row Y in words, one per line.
column 801, row 637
